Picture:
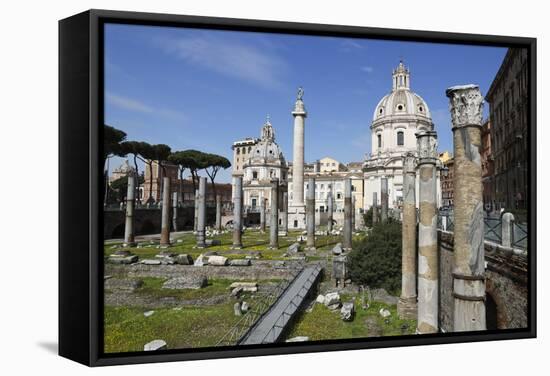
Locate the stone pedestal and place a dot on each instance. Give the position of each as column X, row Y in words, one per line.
column 237, row 213
column 466, row 104
column 129, row 235
column 346, row 240
column 274, row 220
column 165, row 215
column 201, row 223
column 428, row 262
column 310, row 218
column 407, row 307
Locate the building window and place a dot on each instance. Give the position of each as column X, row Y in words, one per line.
column 249, row 148
column 238, row 151
column 254, row 174
column 400, row 107
column 400, row 138
column 379, row 140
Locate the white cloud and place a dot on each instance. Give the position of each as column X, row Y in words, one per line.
column 350, row 44
column 134, row 105
column 367, row 69
column 229, row 58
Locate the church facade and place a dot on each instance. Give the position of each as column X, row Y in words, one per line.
column 397, row 118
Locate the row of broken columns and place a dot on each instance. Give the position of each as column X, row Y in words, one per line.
column 468, row 272
column 200, row 213
column 310, row 215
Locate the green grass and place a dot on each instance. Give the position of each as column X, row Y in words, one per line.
column 152, row 286
column 322, row 323
column 126, row 329
column 253, row 240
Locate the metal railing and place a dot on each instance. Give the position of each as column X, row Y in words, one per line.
column 519, row 233
column 257, row 311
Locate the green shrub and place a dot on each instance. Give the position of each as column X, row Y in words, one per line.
column 367, row 218
column 376, row 260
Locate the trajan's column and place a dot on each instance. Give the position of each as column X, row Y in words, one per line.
column 297, row 209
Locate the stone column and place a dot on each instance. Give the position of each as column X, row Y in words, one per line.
column 300, row 115
column 346, row 241
column 384, row 198
column 507, row 229
column 374, row 208
column 129, row 235
column 284, row 215
column 218, row 212
column 274, row 220
column 201, row 223
column 310, row 212
column 165, row 219
column 237, row 213
column 330, row 210
column 262, row 214
column 406, row 308
column 196, row 217
column 175, row 211
column 352, row 213
column 428, row 262
column 466, row 105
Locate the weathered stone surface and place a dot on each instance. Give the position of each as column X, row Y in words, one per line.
column 186, row 282
column 246, row 286
column 157, row 344
column 237, row 309
column 121, row 253
column 166, row 253
column 148, row 313
column 320, row 299
column 384, row 312
column 337, row 249
column 239, row 262
column 332, row 300
column 202, row 260
column 123, row 284
column 184, row 259
column 294, row 248
column 339, row 267
column 210, row 253
column 213, row 242
column 123, row 260
column 382, row 296
column 279, row 264
column 217, row 261
column 151, row 262
column 347, row 311
column 236, row 292
column 298, row 339
column 244, row 307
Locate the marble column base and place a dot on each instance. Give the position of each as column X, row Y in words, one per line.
column 407, row 308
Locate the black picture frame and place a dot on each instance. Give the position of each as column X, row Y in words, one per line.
column 80, row 206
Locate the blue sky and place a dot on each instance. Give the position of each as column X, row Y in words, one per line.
column 204, row 89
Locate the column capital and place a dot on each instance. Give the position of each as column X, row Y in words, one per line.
column 466, row 105
column 426, row 142
column 409, row 163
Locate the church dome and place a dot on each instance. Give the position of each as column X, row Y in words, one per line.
column 401, row 101
column 267, row 150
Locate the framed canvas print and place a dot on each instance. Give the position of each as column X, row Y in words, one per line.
column 240, row 187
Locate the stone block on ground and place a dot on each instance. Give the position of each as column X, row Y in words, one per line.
column 123, row 260
column 320, row 299
column 382, row 296
column 298, row 339
column 239, row 262
column 157, row 344
column 121, row 253
column 384, row 312
column 184, row 259
column 337, row 249
column 332, row 300
column 236, row 292
column 148, row 313
column 217, row 260
column 294, row 248
column 202, row 260
column 187, row 282
column 237, row 309
column 244, row 307
column 210, row 253
column 151, row 262
column 347, row 311
column 123, row 284
column 246, row 286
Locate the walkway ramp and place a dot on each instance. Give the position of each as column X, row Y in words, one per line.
column 270, row 327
